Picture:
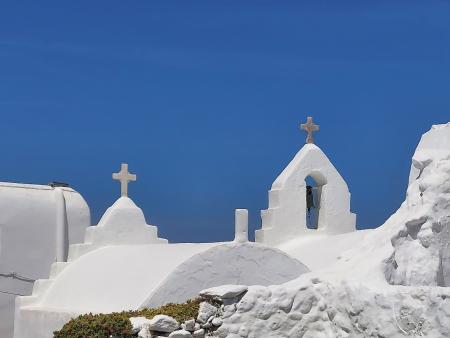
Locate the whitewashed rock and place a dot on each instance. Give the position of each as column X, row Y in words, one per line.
column 200, row 333
column 224, row 292
column 217, row 321
column 207, row 325
column 138, row 323
column 205, row 312
column 189, row 325
column 163, row 323
column 180, row 334
column 145, row 332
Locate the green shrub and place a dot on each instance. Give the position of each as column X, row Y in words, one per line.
column 118, row 323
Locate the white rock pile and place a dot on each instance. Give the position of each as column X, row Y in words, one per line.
column 217, row 302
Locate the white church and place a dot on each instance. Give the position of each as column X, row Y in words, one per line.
column 71, row 267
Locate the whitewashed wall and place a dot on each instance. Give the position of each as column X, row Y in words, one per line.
column 285, row 219
column 28, row 238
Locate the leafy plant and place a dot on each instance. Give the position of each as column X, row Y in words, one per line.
column 117, row 324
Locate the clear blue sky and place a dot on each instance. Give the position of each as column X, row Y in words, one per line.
column 204, row 99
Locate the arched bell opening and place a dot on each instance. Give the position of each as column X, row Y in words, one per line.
column 314, row 183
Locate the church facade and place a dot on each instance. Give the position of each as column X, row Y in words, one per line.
column 116, row 265
column 286, row 218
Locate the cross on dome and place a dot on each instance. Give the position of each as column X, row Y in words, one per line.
column 310, row 128
column 124, row 177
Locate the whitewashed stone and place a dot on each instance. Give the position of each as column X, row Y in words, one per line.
column 224, row 292
column 200, row 333
column 217, row 321
column 241, row 226
column 180, row 334
column 28, row 224
column 163, row 323
column 285, row 217
column 189, row 325
column 205, row 312
column 145, row 332
column 138, row 323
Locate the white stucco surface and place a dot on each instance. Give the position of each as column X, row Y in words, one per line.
column 115, row 278
column 123, row 265
column 434, row 143
column 392, row 281
column 319, row 250
column 229, row 263
column 123, row 223
column 285, row 219
column 123, row 277
column 28, row 242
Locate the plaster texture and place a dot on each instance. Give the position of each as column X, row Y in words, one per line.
column 228, row 263
column 123, row 277
column 30, row 216
column 241, row 225
column 391, row 282
column 123, row 223
column 420, row 254
column 123, row 265
column 285, row 219
column 433, row 144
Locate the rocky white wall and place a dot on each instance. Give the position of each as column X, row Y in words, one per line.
column 393, row 283
column 285, row 218
column 420, row 247
column 28, row 218
column 319, row 309
column 434, row 143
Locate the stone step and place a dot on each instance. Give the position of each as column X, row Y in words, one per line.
column 40, row 286
column 77, row 250
column 56, row 268
column 89, row 234
column 25, row 301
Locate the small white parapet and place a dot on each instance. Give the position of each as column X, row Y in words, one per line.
column 241, row 226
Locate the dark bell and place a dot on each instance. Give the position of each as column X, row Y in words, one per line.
column 59, row 184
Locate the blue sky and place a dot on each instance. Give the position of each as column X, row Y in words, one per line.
column 204, row 99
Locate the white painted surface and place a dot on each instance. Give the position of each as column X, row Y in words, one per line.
column 241, row 225
column 123, row 223
column 28, row 227
column 62, row 226
column 285, row 219
column 318, row 250
column 229, row 263
column 123, row 277
column 434, row 143
column 392, row 282
column 115, row 278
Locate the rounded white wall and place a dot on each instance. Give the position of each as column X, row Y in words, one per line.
column 230, row 263
column 126, row 277
column 28, row 219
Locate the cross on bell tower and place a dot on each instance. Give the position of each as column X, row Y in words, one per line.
column 124, row 177
column 310, row 128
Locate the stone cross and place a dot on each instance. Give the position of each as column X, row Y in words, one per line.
column 124, row 177
column 310, row 128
